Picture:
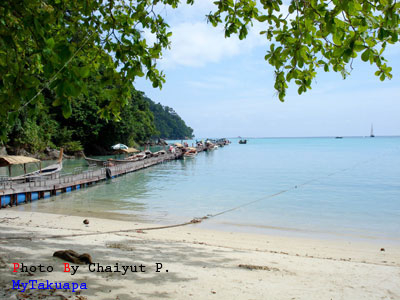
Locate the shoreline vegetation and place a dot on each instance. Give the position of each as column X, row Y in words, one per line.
column 201, row 263
column 142, row 122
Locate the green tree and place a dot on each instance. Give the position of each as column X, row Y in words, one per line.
column 135, row 125
column 32, row 133
column 315, row 34
column 57, row 44
column 168, row 123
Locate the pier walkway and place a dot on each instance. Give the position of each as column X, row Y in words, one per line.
column 16, row 193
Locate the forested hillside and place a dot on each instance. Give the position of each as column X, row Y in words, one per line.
column 168, row 123
column 140, row 120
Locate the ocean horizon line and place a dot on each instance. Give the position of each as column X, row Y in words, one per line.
column 292, row 137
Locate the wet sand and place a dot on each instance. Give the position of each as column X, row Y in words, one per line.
column 201, row 263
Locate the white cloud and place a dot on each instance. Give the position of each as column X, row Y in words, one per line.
column 213, row 82
column 189, row 13
column 196, row 44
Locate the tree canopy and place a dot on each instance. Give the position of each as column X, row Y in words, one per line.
column 59, row 45
column 168, row 123
column 141, row 120
column 314, row 34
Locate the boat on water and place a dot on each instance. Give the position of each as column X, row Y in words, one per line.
column 118, row 149
column 190, row 152
column 9, row 160
column 112, row 162
column 210, row 145
column 243, row 142
column 159, row 153
column 189, row 155
column 97, row 162
column 372, row 131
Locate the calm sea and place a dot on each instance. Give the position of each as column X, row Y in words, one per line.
column 334, row 188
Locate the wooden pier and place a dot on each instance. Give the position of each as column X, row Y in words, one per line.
column 12, row 193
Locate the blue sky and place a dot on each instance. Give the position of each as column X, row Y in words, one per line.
column 224, row 87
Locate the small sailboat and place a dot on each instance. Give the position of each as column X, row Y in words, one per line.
column 372, row 131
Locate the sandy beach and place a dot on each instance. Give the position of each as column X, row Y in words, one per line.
column 193, row 263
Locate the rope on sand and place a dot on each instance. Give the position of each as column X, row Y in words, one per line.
column 197, row 220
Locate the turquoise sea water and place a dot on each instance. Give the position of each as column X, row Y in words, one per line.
column 354, row 192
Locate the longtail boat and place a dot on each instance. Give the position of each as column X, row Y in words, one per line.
column 47, row 171
column 111, row 162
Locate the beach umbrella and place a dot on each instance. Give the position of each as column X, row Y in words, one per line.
column 119, row 147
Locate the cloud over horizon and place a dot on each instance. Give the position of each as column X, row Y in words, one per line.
column 197, row 44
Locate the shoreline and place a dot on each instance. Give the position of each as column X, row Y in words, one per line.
column 352, row 235
column 202, row 263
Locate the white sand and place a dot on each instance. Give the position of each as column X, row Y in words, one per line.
column 202, row 264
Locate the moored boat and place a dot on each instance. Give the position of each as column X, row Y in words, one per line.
column 189, row 155
column 190, row 152
column 45, row 172
column 111, row 162
column 210, row 145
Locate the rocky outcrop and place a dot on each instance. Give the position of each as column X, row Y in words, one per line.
column 3, row 150
column 52, row 153
column 72, row 256
column 79, row 154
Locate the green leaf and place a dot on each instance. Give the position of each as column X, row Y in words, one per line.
column 365, row 55
column 57, row 101
column 31, row 81
column 243, row 32
column 395, row 37
column 50, row 43
column 84, row 72
column 12, row 117
column 359, row 47
column 262, row 18
column 337, row 37
column 66, row 109
column 64, row 53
